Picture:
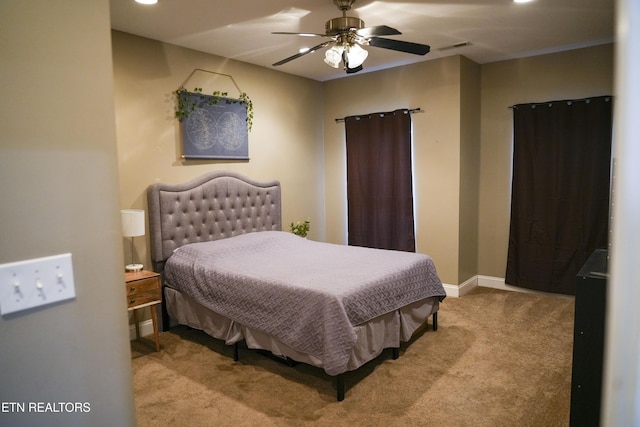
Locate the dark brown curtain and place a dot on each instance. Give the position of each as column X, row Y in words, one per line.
column 560, row 191
column 379, row 181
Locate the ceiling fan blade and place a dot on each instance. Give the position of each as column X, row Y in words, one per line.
column 301, row 34
column 298, row 55
column 402, row 46
column 380, row 30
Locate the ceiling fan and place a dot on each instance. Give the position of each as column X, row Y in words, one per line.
column 346, row 36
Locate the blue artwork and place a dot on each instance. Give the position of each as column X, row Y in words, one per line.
column 215, row 129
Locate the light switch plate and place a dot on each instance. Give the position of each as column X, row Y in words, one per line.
column 36, row 282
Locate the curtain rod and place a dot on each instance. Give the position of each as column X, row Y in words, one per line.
column 568, row 101
column 413, row 110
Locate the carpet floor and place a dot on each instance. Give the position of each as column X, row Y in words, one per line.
column 498, row 358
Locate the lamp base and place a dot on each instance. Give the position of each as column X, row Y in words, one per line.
column 133, row 267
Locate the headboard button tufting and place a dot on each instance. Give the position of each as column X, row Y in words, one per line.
column 214, row 206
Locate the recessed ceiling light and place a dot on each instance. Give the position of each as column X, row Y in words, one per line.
column 147, row 1
column 522, row 1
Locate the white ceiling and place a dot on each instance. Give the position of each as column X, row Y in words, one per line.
column 496, row 29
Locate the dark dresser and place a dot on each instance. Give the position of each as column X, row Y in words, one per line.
column 588, row 341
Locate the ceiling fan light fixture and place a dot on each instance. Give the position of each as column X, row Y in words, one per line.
column 356, row 56
column 333, row 56
column 346, row 34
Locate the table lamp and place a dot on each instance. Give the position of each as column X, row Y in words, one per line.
column 132, row 226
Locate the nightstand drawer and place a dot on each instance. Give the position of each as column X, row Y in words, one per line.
column 140, row 298
column 144, row 289
column 142, row 285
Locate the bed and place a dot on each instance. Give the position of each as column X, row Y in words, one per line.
column 228, row 269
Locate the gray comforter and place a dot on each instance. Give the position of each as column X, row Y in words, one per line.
column 306, row 294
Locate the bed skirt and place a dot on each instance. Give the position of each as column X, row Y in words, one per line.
column 386, row 331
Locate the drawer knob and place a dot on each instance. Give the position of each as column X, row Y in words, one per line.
column 131, row 301
column 133, row 288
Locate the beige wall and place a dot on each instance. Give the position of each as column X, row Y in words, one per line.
column 567, row 75
column 462, row 139
column 462, row 144
column 59, row 175
column 435, row 87
column 469, row 168
column 285, row 142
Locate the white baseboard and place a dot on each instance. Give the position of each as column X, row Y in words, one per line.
column 498, row 283
column 494, row 282
column 146, row 328
column 451, row 290
column 465, row 287
column 490, row 282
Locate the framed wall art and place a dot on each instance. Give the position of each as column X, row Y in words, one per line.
column 213, row 126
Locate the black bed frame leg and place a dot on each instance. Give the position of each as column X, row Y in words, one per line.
column 164, row 316
column 235, row 352
column 396, row 353
column 340, row 387
column 435, row 321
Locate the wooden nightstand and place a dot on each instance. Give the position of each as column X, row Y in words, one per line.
column 144, row 290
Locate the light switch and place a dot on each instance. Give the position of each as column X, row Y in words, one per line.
column 35, row 282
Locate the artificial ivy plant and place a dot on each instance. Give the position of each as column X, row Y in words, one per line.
column 301, row 228
column 186, row 106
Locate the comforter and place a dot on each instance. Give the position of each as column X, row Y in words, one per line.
column 307, row 294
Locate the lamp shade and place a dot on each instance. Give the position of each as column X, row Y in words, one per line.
column 132, row 222
column 356, row 56
column 333, row 56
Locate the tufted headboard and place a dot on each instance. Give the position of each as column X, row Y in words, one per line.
column 214, row 206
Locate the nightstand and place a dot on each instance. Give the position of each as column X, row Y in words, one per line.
column 144, row 289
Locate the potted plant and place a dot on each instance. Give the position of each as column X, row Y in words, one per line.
column 301, row 228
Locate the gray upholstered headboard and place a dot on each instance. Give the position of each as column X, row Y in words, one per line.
column 214, row 206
